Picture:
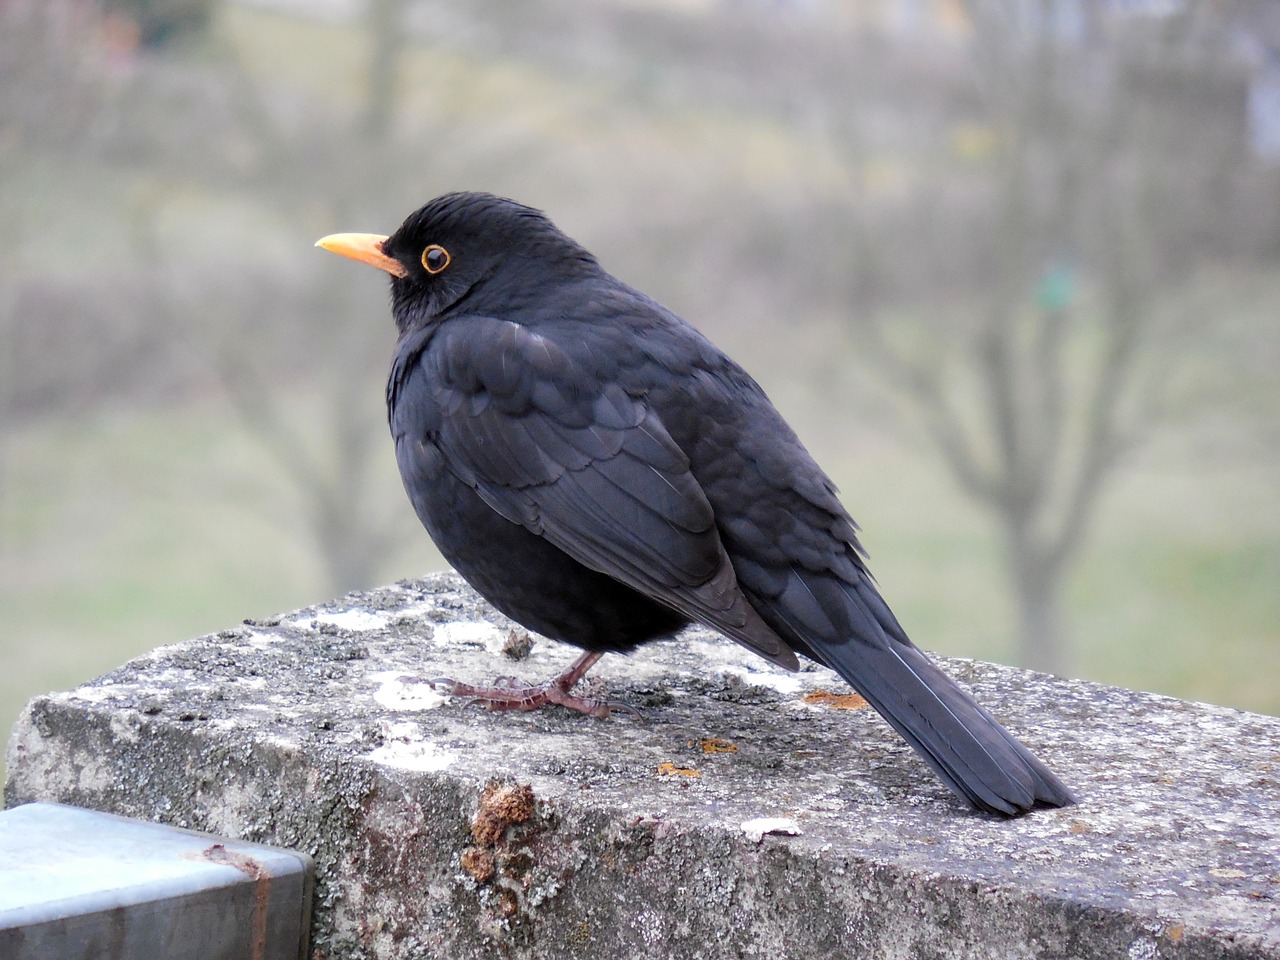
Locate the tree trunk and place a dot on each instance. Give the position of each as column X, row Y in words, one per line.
column 1037, row 584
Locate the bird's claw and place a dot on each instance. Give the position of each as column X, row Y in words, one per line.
column 509, row 695
column 526, row 699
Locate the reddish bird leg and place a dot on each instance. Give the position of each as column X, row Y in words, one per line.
column 555, row 691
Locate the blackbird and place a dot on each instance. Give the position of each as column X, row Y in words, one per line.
column 603, row 474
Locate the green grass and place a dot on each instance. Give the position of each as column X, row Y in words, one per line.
column 1179, row 592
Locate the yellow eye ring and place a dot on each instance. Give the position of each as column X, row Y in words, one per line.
column 435, row 258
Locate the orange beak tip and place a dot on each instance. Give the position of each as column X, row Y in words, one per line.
column 364, row 247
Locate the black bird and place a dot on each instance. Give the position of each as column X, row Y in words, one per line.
column 604, row 475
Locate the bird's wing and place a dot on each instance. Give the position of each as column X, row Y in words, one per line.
column 797, row 558
column 551, row 444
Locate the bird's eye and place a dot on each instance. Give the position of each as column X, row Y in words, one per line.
column 435, row 258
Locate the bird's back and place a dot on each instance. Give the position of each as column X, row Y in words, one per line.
column 796, row 557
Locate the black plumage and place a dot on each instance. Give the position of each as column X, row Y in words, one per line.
column 603, row 474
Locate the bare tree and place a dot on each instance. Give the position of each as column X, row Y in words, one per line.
column 278, row 332
column 333, row 468
column 1084, row 216
column 47, row 93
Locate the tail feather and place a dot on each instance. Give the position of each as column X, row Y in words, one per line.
column 966, row 746
column 973, row 754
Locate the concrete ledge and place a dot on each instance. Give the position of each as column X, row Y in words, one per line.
column 444, row 831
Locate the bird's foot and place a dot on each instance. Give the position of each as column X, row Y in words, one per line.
column 525, row 699
column 509, row 696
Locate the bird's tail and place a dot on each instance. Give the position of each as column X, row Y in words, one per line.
column 964, row 744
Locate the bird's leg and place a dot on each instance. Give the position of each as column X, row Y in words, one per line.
column 554, row 691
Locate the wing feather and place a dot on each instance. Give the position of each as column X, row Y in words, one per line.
column 551, row 446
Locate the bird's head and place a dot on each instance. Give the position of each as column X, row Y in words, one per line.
column 490, row 252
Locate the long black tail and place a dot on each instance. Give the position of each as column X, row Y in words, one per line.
column 973, row 754
column 964, row 744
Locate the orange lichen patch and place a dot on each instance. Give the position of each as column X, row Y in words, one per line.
column 837, row 701
column 716, row 745
column 501, row 806
column 508, row 903
column 478, row 862
column 671, row 770
column 1079, row 826
column 1175, row 932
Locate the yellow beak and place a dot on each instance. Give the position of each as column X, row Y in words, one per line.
column 365, row 247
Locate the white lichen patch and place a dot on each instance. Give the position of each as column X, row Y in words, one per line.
column 405, row 749
column 471, row 632
column 263, row 641
column 756, row 828
column 354, row 619
column 413, row 611
column 92, row 694
column 396, row 691
column 785, row 683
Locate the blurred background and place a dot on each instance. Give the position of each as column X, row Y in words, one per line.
column 1011, row 267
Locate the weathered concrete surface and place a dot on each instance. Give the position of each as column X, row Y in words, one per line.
column 446, row 831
